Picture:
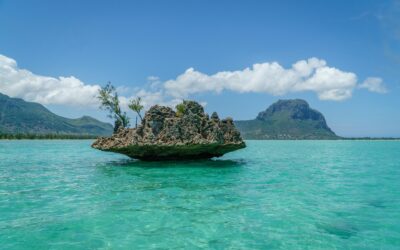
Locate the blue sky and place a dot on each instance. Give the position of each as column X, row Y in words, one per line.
column 141, row 45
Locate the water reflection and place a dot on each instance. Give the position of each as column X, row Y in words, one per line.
column 208, row 163
column 174, row 171
column 172, row 180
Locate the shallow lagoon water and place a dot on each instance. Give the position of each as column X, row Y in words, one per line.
column 272, row 195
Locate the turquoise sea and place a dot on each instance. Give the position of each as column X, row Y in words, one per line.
column 272, row 195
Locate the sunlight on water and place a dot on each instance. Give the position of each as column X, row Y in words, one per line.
column 273, row 194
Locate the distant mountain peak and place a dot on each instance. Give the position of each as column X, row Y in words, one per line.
column 292, row 109
column 287, row 119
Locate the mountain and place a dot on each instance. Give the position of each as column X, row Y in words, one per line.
column 19, row 116
column 287, row 119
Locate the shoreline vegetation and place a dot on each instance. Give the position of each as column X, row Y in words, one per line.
column 21, row 136
column 86, row 137
column 370, row 139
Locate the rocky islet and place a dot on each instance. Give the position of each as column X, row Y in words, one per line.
column 165, row 134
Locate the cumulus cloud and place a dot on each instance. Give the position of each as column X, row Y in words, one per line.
column 22, row 83
column 313, row 74
column 69, row 91
column 150, row 98
column 374, row 84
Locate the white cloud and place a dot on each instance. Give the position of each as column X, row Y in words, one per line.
column 69, row 91
column 306, row 75
column 22, row 83
column 150, row 98
column 313, row 75
column 374, row 84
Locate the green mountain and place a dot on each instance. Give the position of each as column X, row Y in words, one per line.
column 19, row 116
column 287, row 119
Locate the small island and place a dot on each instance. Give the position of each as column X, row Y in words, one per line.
column 165, row 134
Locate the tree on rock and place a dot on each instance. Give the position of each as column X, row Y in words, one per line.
column 136, row 106
column 180, row 109
column 109, row 101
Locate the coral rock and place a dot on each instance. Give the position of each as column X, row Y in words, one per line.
column 163, row 135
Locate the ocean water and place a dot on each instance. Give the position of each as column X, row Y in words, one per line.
column 272, row 195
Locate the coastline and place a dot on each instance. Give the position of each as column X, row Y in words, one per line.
column 46, row 137
column 8, row 137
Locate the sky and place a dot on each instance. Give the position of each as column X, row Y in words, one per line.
column 234, row 57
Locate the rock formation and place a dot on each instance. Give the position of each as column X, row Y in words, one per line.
column 165, row 134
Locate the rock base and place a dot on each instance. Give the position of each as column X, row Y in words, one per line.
column 179, row 152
